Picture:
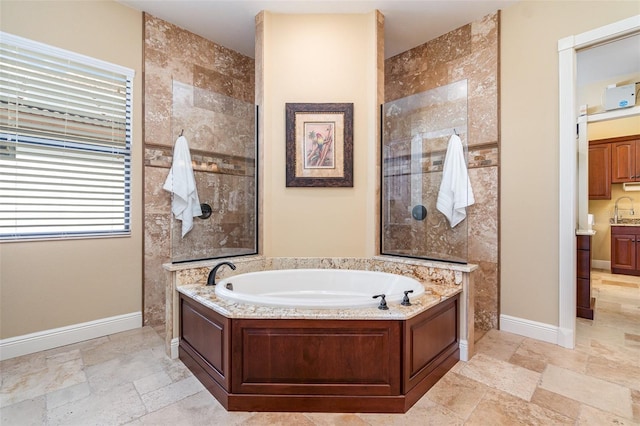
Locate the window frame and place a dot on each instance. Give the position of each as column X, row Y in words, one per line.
column 89, row 148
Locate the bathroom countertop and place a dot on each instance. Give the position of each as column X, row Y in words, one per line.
column 433, row 295
column 626, row 221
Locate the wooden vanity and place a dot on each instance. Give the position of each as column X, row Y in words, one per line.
column 319, row 365
column 585, row 304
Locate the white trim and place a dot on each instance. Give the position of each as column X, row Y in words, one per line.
column 566, row 337
column 614, row 115
column 533, row 329
column 601, row 264
column 49, row 339
column 567, row 191
column 463, row 345
column 609, row 32
column 173, row 349
column 568, row 115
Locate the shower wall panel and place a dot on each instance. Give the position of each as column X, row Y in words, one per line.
column 416, row 132
column 470, row 52
column 221, row 134
column 218, row 77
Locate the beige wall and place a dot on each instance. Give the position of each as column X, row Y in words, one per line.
column 602, row 211
column 529, row 146
column 318, row 66
column 50, row 284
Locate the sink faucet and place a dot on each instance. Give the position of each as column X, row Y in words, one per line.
column 211, row 280
column 616, row 215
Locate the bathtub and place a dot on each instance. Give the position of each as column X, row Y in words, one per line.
column 317, row 288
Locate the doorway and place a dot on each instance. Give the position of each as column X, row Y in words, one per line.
column 572, row 194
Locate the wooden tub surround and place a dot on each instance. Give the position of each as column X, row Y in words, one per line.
column 254, row 358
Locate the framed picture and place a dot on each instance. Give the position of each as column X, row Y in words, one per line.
column 319, row 145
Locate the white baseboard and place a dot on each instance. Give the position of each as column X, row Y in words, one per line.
column 463, row 345
column 528, row 328
column 175, row 342
column 49, row 339
column 601, row 264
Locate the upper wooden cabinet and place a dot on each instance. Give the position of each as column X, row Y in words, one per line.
column 600, row 172
column 625, row 161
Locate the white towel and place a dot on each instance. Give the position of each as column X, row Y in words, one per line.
column 185, row 203
column 455, row 190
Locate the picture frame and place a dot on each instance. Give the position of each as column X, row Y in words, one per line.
column 319, row 144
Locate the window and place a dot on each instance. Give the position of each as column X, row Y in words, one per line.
column 65, row 143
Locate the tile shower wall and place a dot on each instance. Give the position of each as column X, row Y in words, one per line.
column 470, row 52
column 175, row 59
column 416, row 133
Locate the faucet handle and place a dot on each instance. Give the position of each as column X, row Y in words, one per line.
column 383, row 303
column 405, row 300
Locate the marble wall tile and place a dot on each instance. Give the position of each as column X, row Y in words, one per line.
column 181, row 68
column 487, row 296
column 483, row 215
column 470, row 52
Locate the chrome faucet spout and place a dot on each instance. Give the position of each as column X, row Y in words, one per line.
column 616, row 212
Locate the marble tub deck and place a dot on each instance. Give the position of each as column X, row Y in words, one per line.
column 440, row 279
column 128, row 379
column 433, row 295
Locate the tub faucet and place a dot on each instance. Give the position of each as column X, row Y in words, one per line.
column 383, row 302
column 212, row 275
column 616, row 215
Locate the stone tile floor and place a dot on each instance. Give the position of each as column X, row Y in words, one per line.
column 127, row 379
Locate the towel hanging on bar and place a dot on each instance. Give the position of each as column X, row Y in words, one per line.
column 181, row 182
column 455, row 189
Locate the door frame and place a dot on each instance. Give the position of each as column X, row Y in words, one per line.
column 568, row 167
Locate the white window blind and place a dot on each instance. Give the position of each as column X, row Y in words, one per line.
column 65, row 143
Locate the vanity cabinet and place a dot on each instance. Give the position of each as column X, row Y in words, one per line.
column 584, row 302
column 625, row 160
column 625, row 252
column 600, row 171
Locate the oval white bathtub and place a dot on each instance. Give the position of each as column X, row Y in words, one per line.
column 317, row 288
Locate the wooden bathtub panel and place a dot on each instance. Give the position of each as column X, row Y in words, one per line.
column 291, row 357
column 382, row 366
column 205, row 336
column 429, row 339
